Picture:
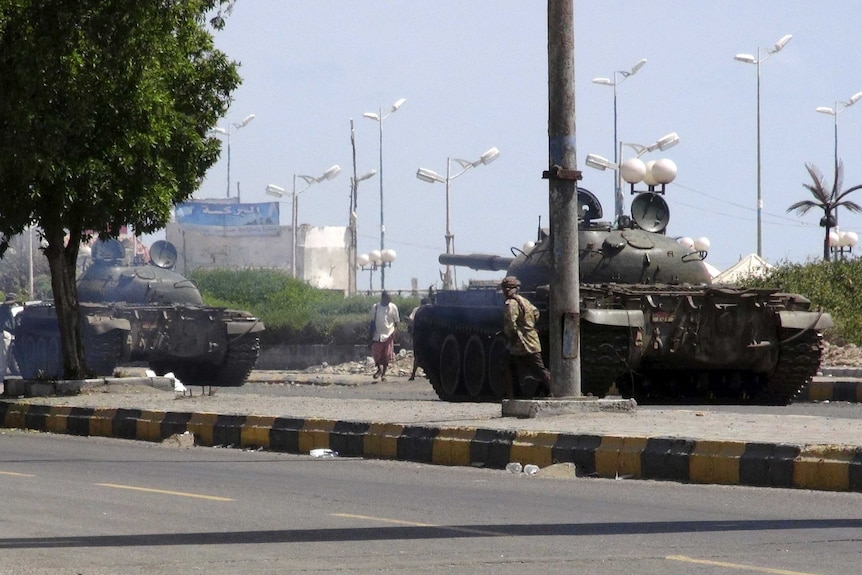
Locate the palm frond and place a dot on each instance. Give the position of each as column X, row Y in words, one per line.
column 803, row 207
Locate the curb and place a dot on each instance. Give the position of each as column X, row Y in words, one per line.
column 832, row 388
column 817, row 467
column 37, row 388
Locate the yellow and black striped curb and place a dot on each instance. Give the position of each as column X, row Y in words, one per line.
column 822, row 389
column 819, row 467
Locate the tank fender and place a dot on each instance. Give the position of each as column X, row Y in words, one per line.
column 101, row 324
column 614, row 317
column 805, row 320
column 244, row 327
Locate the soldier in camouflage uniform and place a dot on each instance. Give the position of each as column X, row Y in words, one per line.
column 519, row 329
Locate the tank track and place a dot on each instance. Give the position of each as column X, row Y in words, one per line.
column 798, row 361
column 103, row 352
column 241, row 358
column 233, row 371
column 603, row 353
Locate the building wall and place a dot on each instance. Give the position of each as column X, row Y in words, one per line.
column 321, row 252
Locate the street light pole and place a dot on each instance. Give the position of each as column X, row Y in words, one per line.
column 749, row 59
column 430, row 176
column 279, row 192
column 227, row 132
column 834, row 113
column 618, row 193
column 379, row 117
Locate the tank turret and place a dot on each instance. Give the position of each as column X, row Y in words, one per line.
column 652, row 325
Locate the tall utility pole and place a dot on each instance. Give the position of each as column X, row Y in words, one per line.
column 564, row 315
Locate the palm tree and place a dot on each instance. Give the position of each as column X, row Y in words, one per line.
column 827, row 200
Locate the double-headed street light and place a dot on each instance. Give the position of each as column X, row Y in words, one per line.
column 430, row 176
column 227, row 132
column 634, row 170
column 379, row 117
column 618, row 194
column 749, row 59
column 351, row 253
column 839, row 107
column 280, row 192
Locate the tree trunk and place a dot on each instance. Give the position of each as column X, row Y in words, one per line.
column 62, row 260
column 826, row 245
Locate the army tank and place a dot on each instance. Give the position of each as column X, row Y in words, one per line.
column 652, row 325
column 136, row 311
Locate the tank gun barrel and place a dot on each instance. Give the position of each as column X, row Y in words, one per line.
column 485, row 262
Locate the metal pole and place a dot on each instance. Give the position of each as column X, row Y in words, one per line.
column 228, row 160
column 382, row 227
column 759, row 178
column 447, row 278
column 836, row 136
column 618, row 191
column 351, row 252
column 293, row 207
column 30, row 239
column 564, row 315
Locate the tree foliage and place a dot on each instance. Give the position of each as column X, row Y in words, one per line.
column 104, row 115
column 828, row 200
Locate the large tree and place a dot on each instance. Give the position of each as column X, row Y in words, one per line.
column 828, row 200
column 105, row 108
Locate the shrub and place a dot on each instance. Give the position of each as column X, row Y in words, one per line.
column 293, row 311
column 830, row 286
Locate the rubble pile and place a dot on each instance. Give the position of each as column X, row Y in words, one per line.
column 849, row 355
column 402, row 365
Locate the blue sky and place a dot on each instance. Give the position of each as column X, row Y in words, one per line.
column 474, row 73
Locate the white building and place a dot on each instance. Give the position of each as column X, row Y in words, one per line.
column 212, row 234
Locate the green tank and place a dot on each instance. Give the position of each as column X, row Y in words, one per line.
column 653, row 327
column 133, row 311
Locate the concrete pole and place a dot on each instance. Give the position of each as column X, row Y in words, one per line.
column 564, row 315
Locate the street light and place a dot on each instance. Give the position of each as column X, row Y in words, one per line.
column 618, row 194
column 280, row 192
column 634, row 170
column 430, row 176
column 237, row 126
column 374, row 260
column 834, row 112
column 379, row 117
column 749, row 59
column 351, row 254
column 841, row 243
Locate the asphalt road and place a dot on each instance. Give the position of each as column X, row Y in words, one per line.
column 99, row 506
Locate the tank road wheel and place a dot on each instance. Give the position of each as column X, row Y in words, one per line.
column 474, row 366
column 450, row 366
column 498, row 368
column 55, row 357
column 25, row 348
column 47, row 357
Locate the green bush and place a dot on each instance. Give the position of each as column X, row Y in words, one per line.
column 830, row 286
column 293, row 311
